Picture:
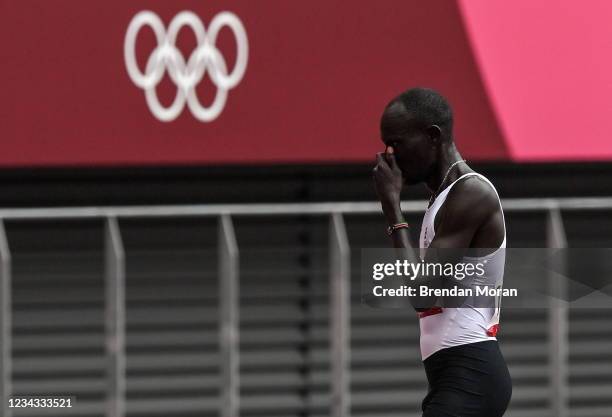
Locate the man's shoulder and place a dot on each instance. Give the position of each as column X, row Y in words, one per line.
column 472, row 196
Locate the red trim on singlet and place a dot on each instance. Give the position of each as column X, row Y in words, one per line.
column 430, row 312
column 492, row 331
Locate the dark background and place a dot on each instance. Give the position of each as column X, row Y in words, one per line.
column 279, row 183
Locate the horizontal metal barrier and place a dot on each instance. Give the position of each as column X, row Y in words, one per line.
column 229, row 275
column 526, row 204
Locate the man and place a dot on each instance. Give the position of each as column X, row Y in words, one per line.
column 466, row 371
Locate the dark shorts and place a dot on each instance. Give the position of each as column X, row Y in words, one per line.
column 467, row 381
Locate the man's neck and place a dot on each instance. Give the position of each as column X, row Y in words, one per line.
column 448, row 157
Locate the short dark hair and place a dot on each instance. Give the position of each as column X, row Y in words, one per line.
column 428, row 107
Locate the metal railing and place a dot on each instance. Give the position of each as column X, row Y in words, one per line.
column 229, row 287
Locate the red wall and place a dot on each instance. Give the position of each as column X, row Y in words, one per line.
column 318, row 77
column 529, row 81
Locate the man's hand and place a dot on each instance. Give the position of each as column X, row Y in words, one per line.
column 388, row 182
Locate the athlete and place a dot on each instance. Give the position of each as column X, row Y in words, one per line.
column 466, row 372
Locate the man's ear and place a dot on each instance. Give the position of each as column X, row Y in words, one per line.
column 434, row 133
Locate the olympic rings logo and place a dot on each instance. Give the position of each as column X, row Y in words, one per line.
column 186, row 75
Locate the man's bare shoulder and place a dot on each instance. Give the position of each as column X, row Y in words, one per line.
column 471, row 199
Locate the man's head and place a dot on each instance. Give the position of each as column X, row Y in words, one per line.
column 417, row 124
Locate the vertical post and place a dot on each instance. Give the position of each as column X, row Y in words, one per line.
column 558, row 322
column 340, row 281
column 229, row 318
column 5, row 323
column 115, row 319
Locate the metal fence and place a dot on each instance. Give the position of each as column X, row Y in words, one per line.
column 229, row 275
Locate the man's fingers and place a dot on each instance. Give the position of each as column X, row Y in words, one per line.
column 392, row 161
column 390, row 157
column 381, row 160
column 379, row 172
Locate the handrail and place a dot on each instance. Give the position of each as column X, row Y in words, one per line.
column 413, row 206
column 229, row 276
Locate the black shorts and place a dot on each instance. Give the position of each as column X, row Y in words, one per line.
column 467, row 381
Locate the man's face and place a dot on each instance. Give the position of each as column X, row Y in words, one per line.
column 414, row 150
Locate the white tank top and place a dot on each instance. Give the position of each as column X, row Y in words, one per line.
column 446, row 327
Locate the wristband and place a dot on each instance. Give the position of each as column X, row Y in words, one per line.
column 397, row 226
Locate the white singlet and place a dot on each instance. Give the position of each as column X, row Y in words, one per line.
column 446, row 327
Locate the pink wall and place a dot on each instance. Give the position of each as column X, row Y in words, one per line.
column 547, row 67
